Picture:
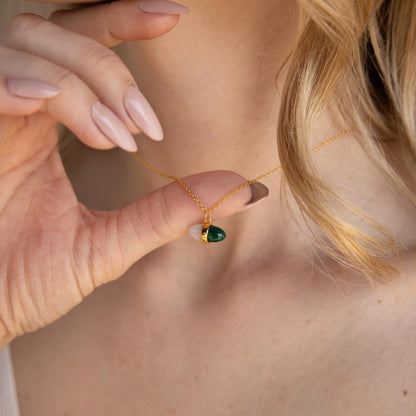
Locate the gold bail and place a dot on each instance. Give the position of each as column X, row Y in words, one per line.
column 208, row 219
column 205, row 227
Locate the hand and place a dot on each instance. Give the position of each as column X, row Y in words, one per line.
column 53, row 250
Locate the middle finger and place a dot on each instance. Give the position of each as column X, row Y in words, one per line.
column 100, row 68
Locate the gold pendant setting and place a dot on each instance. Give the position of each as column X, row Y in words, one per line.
column 206, row 232
column 210, row 233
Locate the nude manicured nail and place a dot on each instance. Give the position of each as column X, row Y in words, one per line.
column 110, row 125
column 161, row 6
column 30, row 88
column 258, row 193
column 142, row 113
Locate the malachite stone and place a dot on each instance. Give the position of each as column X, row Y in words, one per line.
column 215, row 234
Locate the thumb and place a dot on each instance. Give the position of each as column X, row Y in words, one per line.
column 114, row 22
column 119, row 238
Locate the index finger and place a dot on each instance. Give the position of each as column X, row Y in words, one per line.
column 113, row 22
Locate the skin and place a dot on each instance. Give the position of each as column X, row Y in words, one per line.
column 262, row 324
column 41, row 217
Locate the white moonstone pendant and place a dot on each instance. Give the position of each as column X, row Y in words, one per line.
column 195, row 231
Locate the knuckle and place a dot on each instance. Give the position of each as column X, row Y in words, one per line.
column 22, row 23
column 166, row 210
column 104, row 59
column 160, row 208
column 66, row 79
column 56, row 15
column 157, row 219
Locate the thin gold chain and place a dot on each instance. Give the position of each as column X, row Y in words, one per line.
column 208, row 211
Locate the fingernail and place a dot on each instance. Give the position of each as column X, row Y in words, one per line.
column 258, row 193
column 30, row 88
column 142, row 113
column 161, row 6
column 110, row 125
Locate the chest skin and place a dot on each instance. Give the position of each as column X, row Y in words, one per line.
column 258, row 341
column 140, row 346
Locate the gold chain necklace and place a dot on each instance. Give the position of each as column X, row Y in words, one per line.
column 209, row 232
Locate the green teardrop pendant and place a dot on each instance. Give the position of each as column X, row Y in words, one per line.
column 215, row 234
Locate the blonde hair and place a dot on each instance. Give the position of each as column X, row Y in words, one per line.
column 360, row 55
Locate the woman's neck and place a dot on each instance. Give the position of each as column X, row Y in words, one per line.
column 211, row 81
